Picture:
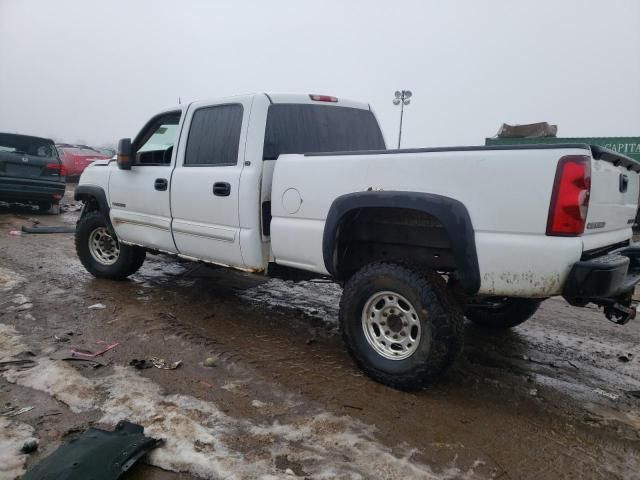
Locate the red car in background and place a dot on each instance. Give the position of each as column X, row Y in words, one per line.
column 76, row 158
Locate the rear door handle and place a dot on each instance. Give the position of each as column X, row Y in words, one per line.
column 161, row 184
column 221, row 189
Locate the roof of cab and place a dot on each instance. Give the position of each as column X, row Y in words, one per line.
column 298, row 98
column 306, row 98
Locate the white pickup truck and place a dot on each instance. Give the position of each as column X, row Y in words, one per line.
column 419, row 238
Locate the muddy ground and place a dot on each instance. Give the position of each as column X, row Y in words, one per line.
column 558, row 397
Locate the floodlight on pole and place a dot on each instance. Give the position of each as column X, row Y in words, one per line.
column 402, row 99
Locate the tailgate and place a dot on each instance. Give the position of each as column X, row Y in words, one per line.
column 613, row 203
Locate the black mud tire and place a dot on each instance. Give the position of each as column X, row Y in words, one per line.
column 512, row 312
column 440, row 317
column 129, row 260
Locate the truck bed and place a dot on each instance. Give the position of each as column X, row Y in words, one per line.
column 506, row 190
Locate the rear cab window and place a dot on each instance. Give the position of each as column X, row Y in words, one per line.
column 307, row 128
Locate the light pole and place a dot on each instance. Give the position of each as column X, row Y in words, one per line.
column 402, row 99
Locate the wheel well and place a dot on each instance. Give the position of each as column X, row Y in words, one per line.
column 372, row 234
column 91, row 203
column 94, row 198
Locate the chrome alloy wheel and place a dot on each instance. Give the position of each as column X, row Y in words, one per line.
column 391, row 325
column 103, row 247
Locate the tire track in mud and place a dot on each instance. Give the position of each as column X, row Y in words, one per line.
column 324, row 373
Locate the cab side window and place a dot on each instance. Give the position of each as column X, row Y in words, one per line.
column 214, row 136
column 157, row 139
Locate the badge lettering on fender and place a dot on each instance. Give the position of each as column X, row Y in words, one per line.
column 593, row 225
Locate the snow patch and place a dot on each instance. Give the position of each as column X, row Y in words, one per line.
column 12, row 436
column 204, row 441
column 10, row 344
column 319, row 299
column 58, row 380
column 20, row 299
column 9, row 280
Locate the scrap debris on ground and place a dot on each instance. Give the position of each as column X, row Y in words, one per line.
column 96, row 454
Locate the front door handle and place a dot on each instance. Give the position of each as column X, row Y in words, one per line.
column 161, row 184
column 221, row 189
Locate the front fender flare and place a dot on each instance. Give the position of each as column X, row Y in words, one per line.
column 450, row 212
column 93, row 191
column 84, row 191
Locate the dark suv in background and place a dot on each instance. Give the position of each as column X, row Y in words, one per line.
column 30, row 171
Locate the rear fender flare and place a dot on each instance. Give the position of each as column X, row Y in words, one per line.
column 450, row 212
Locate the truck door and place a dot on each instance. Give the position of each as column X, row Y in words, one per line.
column 205, row 183
column 140, row 211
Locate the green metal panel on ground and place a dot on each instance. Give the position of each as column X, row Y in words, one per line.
column 629, row 146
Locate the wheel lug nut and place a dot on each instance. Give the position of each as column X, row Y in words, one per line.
column 395, row 336
column 387, row 332
column 383, row 323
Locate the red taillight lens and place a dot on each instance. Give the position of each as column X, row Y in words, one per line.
column 57, row 168
column 323, row 98
column 570, row 196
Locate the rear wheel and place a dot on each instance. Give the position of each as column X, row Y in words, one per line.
column 502, row 313
column 400, row 325
column 100, row 251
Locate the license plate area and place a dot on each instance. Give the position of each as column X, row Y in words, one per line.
column 18, row 170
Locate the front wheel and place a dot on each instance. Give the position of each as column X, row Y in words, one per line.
column 502, row 313
column 100, row 251
column 400, row 325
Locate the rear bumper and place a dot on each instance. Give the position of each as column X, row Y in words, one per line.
column 610, row 275
column 608, row 281
column 15, row 189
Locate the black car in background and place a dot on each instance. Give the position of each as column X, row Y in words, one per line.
column 30, row 171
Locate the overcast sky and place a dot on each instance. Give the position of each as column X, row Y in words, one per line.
column 96, row 70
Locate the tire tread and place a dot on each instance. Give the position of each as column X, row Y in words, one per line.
column 447, row 323
column 131, row 257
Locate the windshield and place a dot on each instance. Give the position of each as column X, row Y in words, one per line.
column 303, row 128
column 26, row 145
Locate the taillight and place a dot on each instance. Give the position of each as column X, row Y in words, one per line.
column 570, row 196
column 323, row 98
column 56, row 168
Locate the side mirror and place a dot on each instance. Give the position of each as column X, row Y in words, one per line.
column 124, row 159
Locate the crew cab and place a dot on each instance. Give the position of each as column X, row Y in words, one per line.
column 419, row 238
